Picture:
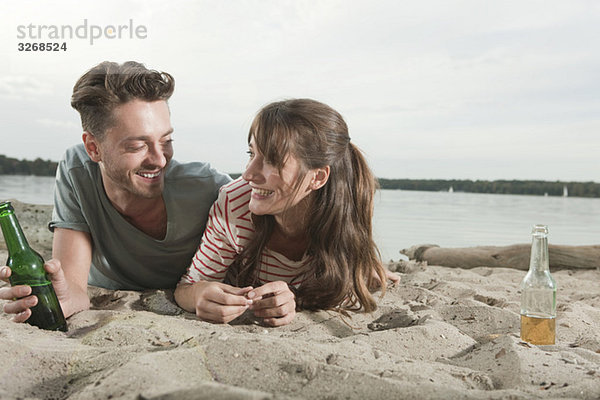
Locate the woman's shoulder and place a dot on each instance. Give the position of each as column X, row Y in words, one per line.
column 236, row 186
column 235, row 197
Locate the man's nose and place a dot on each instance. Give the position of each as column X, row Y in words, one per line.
column 156, row 155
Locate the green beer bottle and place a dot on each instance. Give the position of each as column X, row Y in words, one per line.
column 28, row 269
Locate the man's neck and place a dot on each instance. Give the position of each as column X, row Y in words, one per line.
column 147, row 215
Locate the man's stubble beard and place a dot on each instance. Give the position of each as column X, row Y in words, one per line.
column 125, row 182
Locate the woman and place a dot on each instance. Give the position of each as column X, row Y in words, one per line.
column 295, row 230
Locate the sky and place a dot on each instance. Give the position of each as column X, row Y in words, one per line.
column 442, row 89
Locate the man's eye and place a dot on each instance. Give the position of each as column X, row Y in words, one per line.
column 134, row 149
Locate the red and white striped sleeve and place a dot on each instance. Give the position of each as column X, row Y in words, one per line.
column 219, row 244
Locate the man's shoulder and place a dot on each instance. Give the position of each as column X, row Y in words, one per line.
column 76, row 153
column 78, row 166
column 76, row 156
column 195, row 171
column 195, row 183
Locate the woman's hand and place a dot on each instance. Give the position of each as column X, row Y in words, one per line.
column 375, row 283
column 275, row 302
column 392, row 276
column 213, row 301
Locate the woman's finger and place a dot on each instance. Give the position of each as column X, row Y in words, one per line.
column 278, row 311
column 268, row 289
column 395, row 278
column 273, row 301
column 213, row 312
column 280, row 321
column 217, row 296
column 235, row 290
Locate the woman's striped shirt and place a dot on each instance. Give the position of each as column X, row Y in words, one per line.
column 228, row 230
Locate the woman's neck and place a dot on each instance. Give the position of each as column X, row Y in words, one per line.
column 289, row 234
column 291, row 244
column 292, row 223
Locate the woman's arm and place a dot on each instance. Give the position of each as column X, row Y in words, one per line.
column 200, row 290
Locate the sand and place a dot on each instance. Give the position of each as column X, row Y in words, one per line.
column 442, row 332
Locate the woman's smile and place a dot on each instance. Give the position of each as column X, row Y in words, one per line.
column 262, row 193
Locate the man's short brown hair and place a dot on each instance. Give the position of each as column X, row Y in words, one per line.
column 108, row 85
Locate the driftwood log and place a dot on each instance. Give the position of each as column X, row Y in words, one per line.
column 515, row 256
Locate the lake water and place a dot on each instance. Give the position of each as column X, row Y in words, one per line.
column 28, row 189
column 406, row 218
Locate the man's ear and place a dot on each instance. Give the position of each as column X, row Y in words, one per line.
column 320, row 177
column 92, row 146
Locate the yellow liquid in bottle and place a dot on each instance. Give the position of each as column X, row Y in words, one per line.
column 538, row 330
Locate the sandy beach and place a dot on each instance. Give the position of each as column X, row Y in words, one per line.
column 443, row 332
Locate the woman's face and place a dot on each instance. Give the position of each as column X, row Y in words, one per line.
column 272, row 190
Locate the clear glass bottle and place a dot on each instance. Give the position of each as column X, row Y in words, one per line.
column 538, row 293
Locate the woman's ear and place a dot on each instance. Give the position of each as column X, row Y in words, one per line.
column 320, row 177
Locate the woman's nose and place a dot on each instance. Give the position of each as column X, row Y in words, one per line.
column 252, row 170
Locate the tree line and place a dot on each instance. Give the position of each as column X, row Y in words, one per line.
column 541, row 188
column 13, row 166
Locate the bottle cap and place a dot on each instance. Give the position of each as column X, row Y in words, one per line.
column 6, row 206
column 540, row 230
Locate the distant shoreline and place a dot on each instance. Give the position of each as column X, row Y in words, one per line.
column 39, row 167
column 536, row 188
column 533, row 187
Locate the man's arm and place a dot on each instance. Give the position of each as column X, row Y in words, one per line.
column 73, row 250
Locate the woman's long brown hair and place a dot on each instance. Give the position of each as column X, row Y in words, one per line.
column 343, row 259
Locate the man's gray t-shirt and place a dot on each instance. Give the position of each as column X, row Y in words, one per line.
column 123, row 257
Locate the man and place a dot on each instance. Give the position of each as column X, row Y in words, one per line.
column 126, row 216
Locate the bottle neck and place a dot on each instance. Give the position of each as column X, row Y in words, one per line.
column 13, row 234
column 539, row 260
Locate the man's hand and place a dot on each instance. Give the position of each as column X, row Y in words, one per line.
column 274, row 302
column 21, row 307
column 18, row 307
column 213, row 301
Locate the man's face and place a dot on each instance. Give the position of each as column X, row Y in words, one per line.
column 135, row 152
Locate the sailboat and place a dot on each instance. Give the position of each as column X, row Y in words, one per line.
column 565, row 191
column 451, row 190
